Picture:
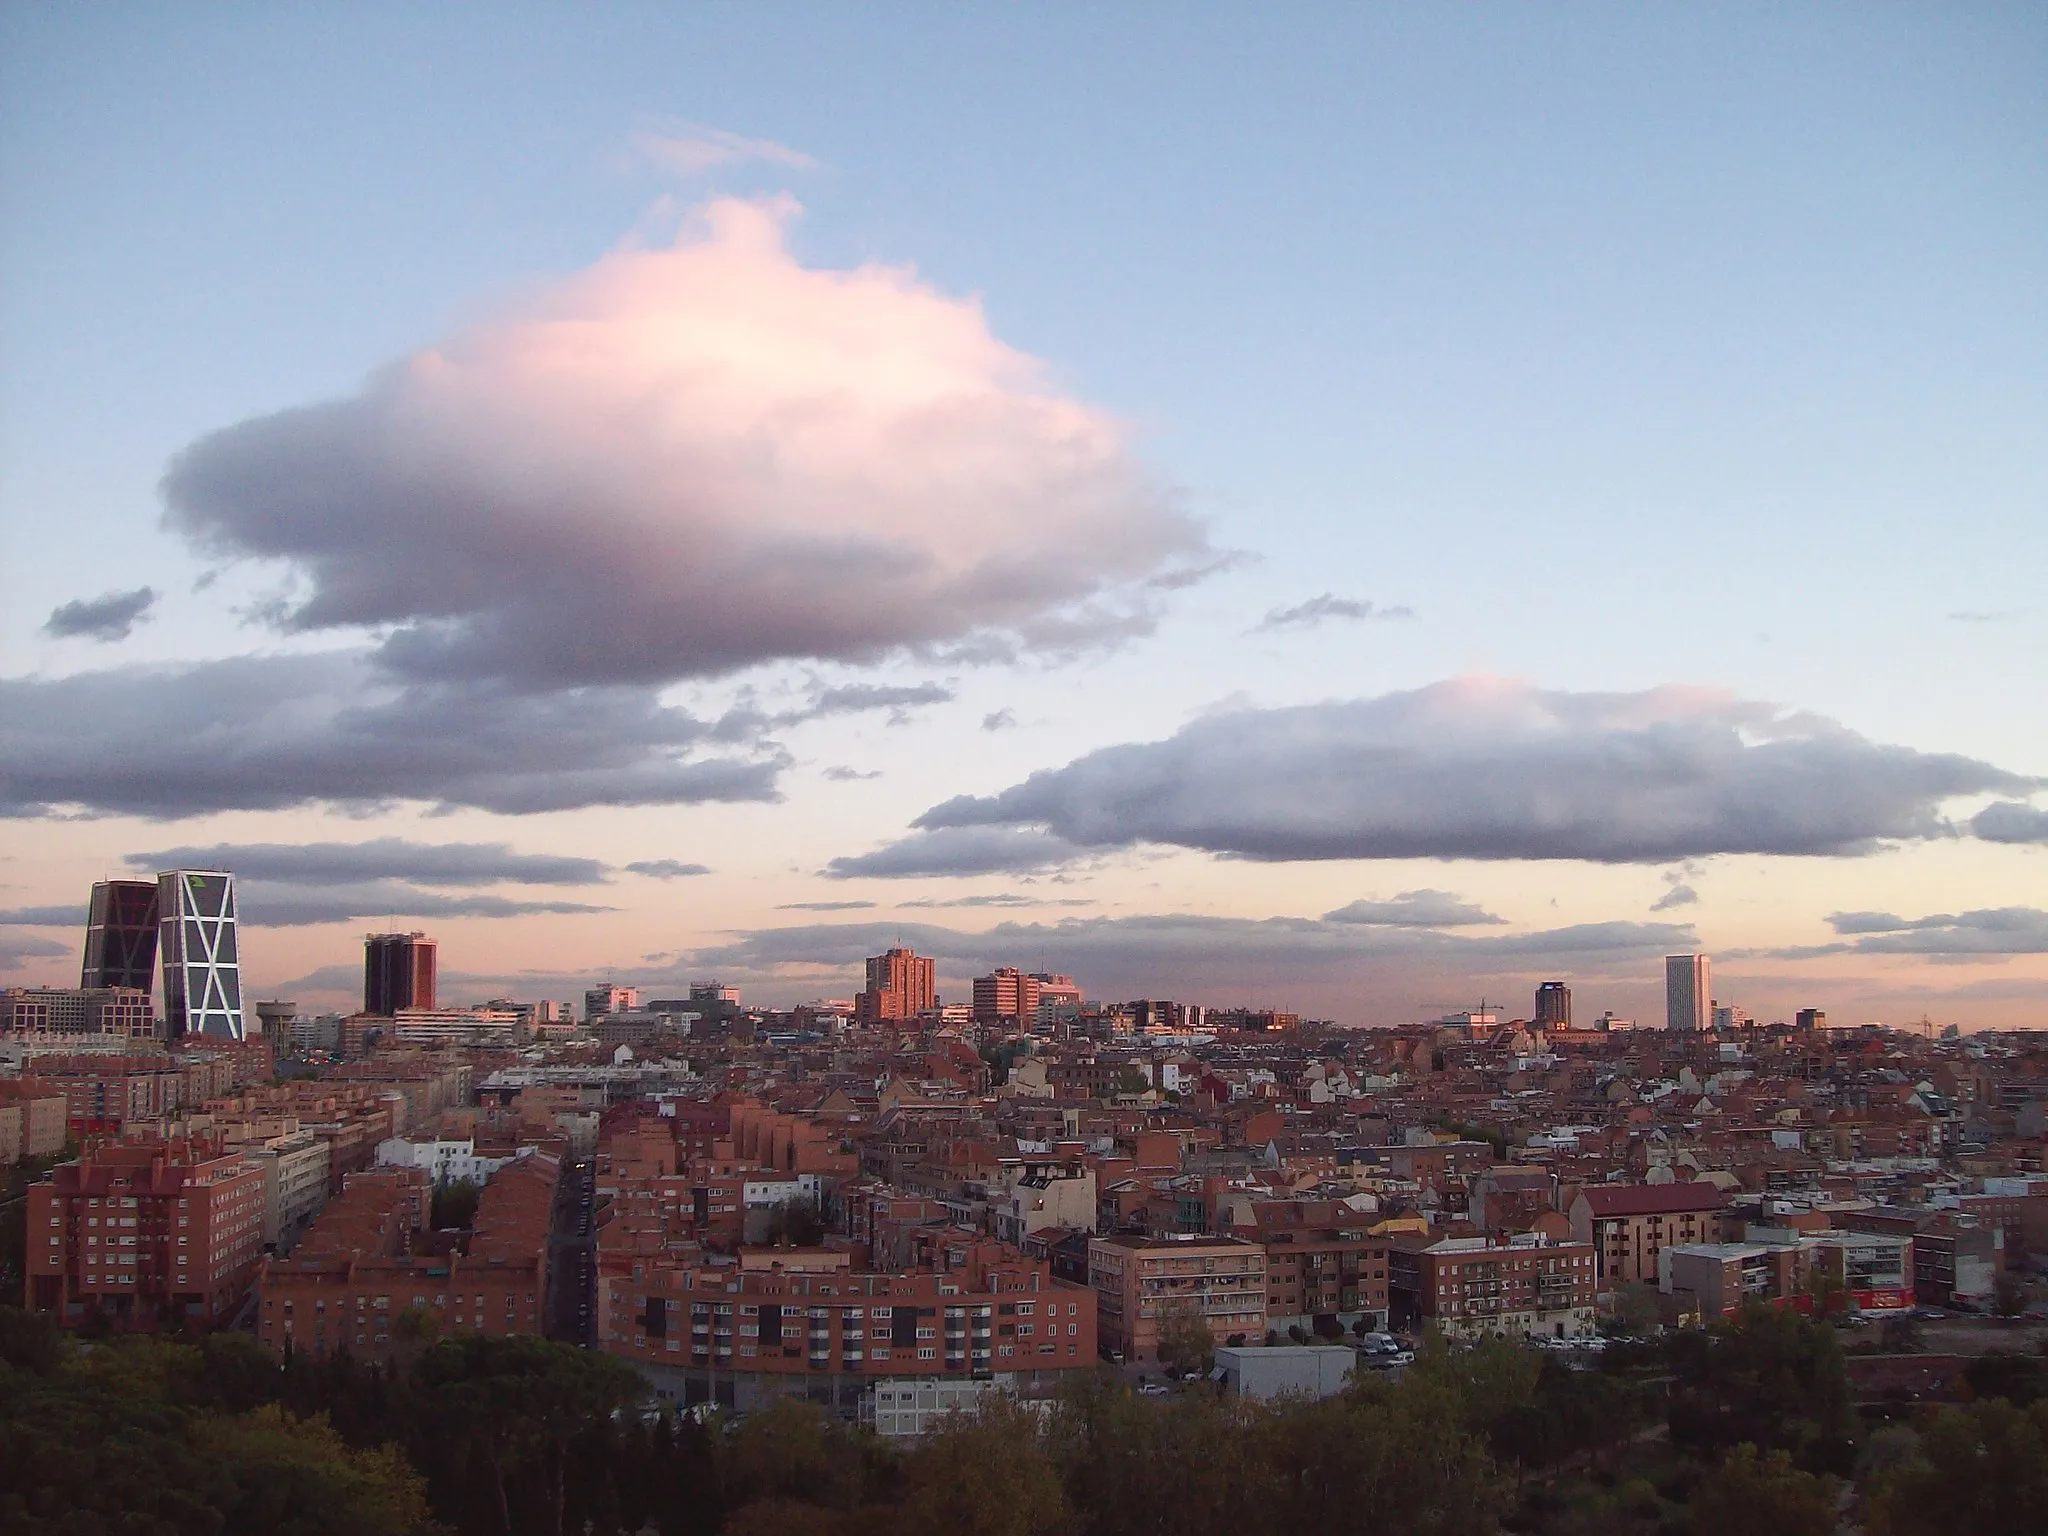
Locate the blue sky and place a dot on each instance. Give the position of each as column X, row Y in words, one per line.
column 1623, row 347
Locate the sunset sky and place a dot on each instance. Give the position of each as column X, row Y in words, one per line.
column 1350, row 509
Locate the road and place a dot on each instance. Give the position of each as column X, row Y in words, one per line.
column 572, row 1253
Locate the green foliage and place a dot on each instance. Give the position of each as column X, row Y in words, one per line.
column 297, row 1477
column 495, row 1420
column 455, row 1202
column 794, row 1452
column 1636, row 1308
column 1755, row 1494
column 1185, row 1343
column 795, row 1224
column 1772, row 1378
column 521, row 1437
column 2022, row 1380
column 2009, row 1295
column 1981, row 1469
column 984, row 1473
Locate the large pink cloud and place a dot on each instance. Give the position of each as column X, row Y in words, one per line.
column 688, row 460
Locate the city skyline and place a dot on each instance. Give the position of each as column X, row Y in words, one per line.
column 1354, row 515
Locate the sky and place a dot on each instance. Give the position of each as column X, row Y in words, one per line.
column 1354, row 509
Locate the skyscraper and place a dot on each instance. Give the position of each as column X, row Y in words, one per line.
column 1554, row 1005
column 901, row 985
column 1688, row 992
column 398, row 972
column 202, row 960
column 120, row 935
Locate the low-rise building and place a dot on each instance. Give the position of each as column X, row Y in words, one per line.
column 370, row 1259
column 1628, row 1225
column 31, row 1121
column 740, row 1334
column 1474, row 1287
column 295, row 1168
column 1140, row 1282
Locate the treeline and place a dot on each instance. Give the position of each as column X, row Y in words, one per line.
column 1745, row 1427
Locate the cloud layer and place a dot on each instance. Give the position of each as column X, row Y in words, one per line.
column 382, row 858
column 1219, row 958
column 270, row 732
column 1987, row 931
column 690, row 460
column 110, row 617
column 2009, row 821
column 1476, row 768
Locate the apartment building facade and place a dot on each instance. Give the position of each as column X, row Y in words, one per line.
column 1520, row 1286
column 1141, row 1282
column 145, row 1235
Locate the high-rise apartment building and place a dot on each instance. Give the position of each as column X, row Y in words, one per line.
column 1688, row 992
column 1554, row 1005
column 399, row 971
column 1007, row 996
column 120, row 935
column 202, row 958
column 1810, row 1018
column 901, row 985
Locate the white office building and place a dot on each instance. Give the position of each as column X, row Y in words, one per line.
column 1688, row 992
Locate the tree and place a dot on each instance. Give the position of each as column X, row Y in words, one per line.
column 1983, row 1468
column 1382, row 1458
column 1636, row 1307
column 297, row 1477
column 1753, row 1494
column 2021, row 1380
column 2009, row 1295
column 509, row 1409
column 455, row 1202
column 982, row 1473
column 793, row 1451
column 1773, row 1378
column 795, row 1224
column 1185, row 1344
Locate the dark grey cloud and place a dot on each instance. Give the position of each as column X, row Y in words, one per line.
column 16, row 948
column 999, row 720
column 1473, row 769
column 687, row 462
column 383, row 858
column 1307, row 615
column 112, row 616
column 960, row 851
column 823, row 906
column 667, row 869
column 1678, row 894
column 840, row 773
column 1414, row 909
column 858, row 698
column 1986, row 931
column 267, row 904
column 62, row 916
column 2010, row 821
column 271, row 732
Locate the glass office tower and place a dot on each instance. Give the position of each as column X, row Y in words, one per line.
column 202, row 961
column 120, row 935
